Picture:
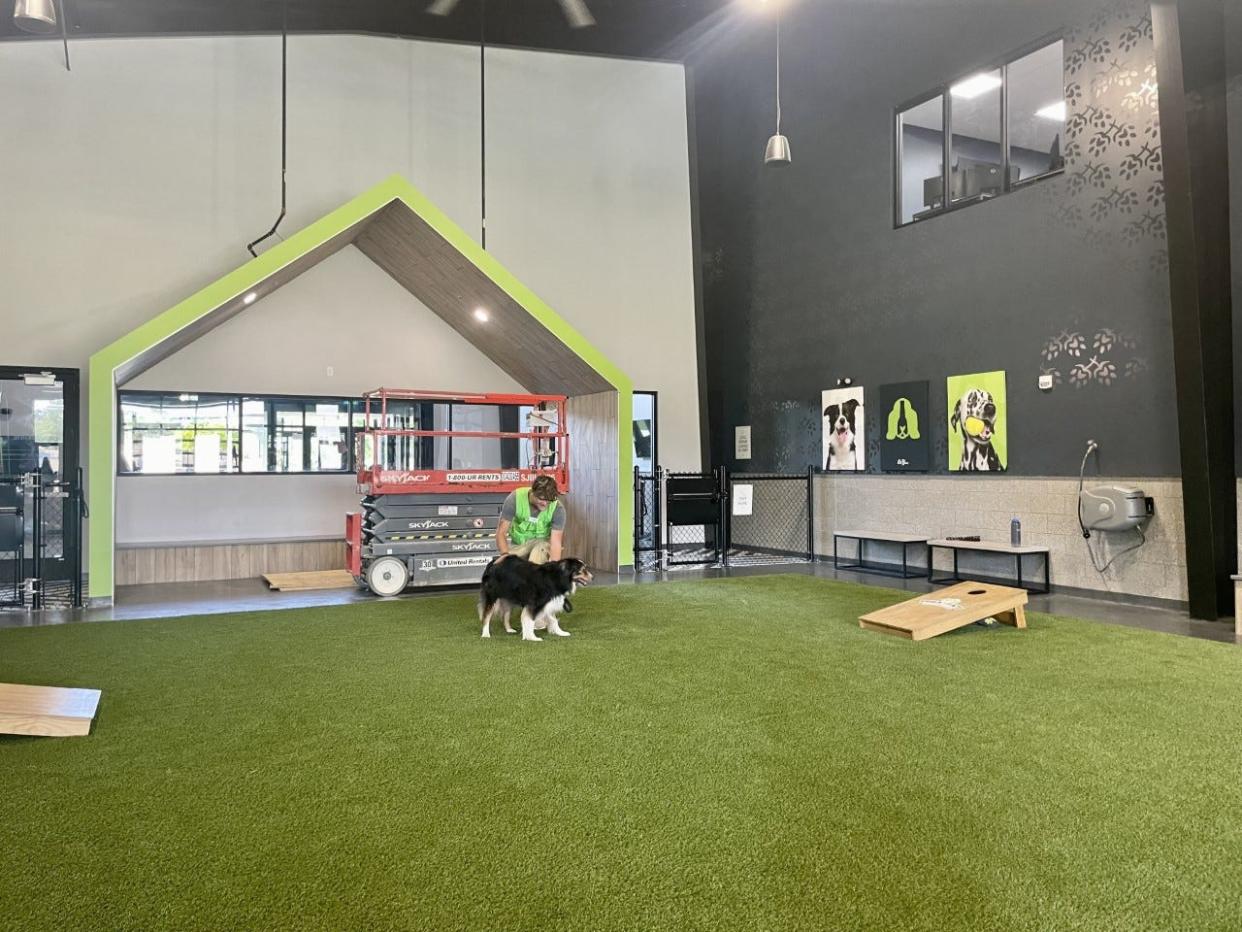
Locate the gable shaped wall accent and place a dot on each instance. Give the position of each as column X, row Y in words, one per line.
column 406, row 235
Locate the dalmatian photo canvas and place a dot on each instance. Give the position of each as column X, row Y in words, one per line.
column 978, row 432
column 845, row 443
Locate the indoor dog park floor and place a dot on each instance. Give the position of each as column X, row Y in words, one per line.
column 719, row 754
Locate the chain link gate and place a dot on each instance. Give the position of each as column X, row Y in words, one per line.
column 41, row 542
column 695, row 518
column 648, row 523
column 780, row 525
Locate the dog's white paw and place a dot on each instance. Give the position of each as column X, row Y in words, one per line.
column 487, row 634
column 531, row 638
column 561, row 633
column 511, row 631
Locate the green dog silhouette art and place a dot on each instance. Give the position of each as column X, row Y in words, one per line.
column 903, row 421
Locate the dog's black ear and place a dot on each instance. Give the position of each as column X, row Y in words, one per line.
column 850, row 407
column 831, row 411
column 957, row 414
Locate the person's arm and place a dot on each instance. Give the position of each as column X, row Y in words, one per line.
column 554, row 545
column 508, row 512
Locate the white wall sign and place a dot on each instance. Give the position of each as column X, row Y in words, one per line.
column 743, row 499
column 741, row 443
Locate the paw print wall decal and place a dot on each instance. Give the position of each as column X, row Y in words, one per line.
column 1112, row 143
column 1071, row 344
column 1102, row 366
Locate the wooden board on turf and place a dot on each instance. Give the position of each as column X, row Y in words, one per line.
column 318, row 579
column 926, row 616
column 46, row 711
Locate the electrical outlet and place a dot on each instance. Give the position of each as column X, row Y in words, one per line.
column 1045, row 383
column 331, row 371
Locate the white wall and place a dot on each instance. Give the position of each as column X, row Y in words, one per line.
column 144, row 172
column 345, row 314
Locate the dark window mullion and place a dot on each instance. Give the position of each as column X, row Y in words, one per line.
column 946, row 172
column 269, row 409
column 1006, row 184
column 307, row 465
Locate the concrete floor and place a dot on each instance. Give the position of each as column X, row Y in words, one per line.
column 249, row 595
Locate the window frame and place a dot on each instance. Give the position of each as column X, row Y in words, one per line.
column 355, row 408
column 1008, row 186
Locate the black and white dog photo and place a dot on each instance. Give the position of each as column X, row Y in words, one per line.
column 974, row 416
column 540, row 590
column 843, row 429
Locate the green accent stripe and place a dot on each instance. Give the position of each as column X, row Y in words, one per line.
column 105, row 363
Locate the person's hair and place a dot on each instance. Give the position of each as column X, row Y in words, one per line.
column 545, row 488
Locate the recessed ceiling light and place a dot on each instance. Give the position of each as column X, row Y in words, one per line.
column 481, row 315
column 1053, row 112
column 250, row 297
column 975, row 85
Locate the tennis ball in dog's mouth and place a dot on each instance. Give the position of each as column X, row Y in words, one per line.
column 975, row 426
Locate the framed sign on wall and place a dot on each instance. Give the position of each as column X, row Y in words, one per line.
column 978, row 429
column 905, row 421
column 845, row 443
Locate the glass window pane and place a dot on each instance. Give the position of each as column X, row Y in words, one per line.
column 921, row 130
column 290, row 436
column 327, row 435
column 1037, row 112
column 256, row 440
column 644, row 431
column 178, row 433
column 975, row 114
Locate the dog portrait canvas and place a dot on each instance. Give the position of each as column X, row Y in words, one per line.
column 845, row 445
column 905, row 427
column 978, row 432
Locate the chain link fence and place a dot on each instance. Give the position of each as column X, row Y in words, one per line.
column 684, row 520
column 771, row 519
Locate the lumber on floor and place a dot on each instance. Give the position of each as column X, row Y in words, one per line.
column 315, row 579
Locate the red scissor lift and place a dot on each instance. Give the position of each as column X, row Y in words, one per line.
column 424, row 520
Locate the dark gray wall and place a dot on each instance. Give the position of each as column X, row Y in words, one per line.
column 806, row 280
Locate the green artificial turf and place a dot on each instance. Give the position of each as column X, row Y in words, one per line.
column 731, row 754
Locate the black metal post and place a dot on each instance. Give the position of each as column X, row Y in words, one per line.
column 1189, row 38
column 810, row 513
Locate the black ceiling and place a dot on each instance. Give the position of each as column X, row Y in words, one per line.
column 638, row 28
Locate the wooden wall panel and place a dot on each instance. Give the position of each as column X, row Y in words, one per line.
column 591, row 533
column 429, row 267
column 208, row 562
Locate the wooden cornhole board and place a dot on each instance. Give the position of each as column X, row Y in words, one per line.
column 934, row 613
column 46, row 711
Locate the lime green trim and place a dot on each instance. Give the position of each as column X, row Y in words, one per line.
column 105, row 363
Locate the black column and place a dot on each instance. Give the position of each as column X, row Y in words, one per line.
column 1190, row 58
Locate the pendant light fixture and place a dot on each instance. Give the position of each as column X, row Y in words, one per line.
column 777, row 151
column 37, row 16
column 42, row 18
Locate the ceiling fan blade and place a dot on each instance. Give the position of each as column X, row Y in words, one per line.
column 442, row 7
column 577, row 13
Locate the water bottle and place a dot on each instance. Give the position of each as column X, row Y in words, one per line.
column 1015, row 532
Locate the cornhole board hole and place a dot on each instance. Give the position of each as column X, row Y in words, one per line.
column 925, row 616
column 46, row 711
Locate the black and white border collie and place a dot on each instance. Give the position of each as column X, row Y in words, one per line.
column 540, row 590
column 842, row 452
column 977, row 452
